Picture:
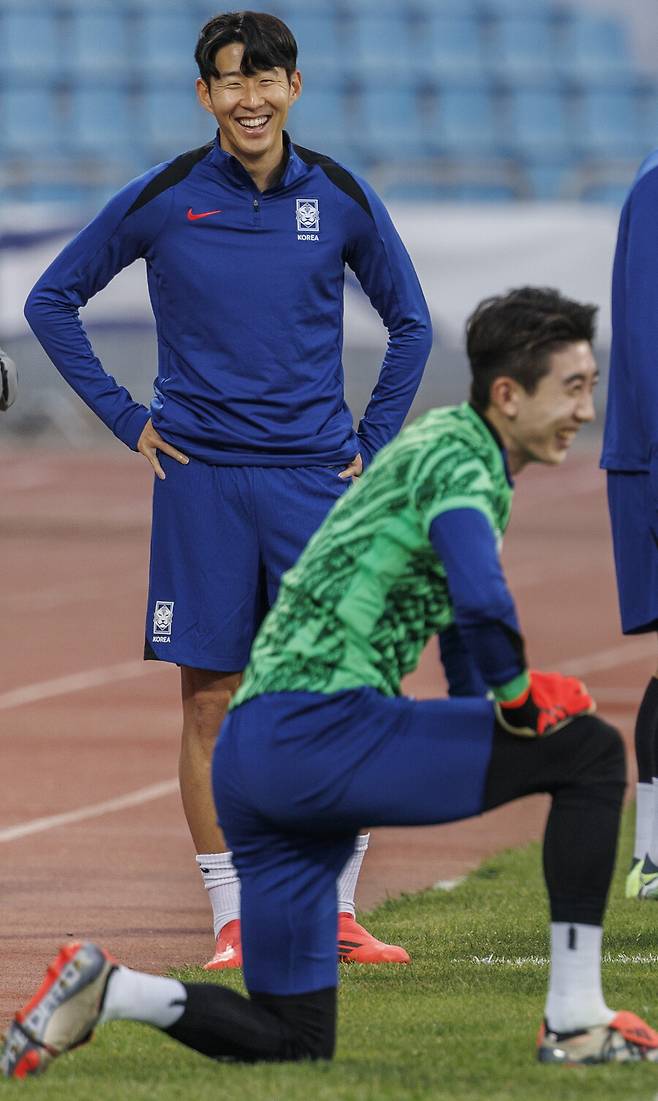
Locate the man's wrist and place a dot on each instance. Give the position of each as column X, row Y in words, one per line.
column 514, row 692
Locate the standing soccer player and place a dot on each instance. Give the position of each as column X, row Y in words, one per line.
column 245, row 241
column 412, row 548
column 630, row 457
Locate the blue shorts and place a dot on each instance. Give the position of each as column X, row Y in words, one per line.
column 296, row 775
column 221, row 538
column 635, row 548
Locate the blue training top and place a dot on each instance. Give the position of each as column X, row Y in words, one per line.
column 247, row 292
column 630, row 440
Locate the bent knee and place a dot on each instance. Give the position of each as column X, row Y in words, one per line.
column 604, row 749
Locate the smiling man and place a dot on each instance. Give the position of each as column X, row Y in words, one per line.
column 245, row 241
column 320, row 739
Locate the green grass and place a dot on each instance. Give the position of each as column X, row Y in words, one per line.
column 449, row 1028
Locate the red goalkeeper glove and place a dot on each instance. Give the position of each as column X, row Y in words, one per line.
column 548, row 703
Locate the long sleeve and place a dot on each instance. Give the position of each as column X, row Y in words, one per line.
column 114, row 239
column 484, row 611
column 385, row 271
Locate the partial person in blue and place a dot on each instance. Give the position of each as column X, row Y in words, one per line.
column 245, row 242
column 630, row 457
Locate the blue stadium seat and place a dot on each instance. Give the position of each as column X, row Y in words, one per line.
column 451, row 46
column 103, row 121
column 319, row 117
column 523, row 47
column 594, row 46
column 538, row 121
column 388, row 123
column 610, row 123
column 450, row 9
column 173, row 121
column 381, row 41
column 468, row 121
column 547, row 175
column 166, row 40
column 99, row 40
column 31, row 40
column 495, row 9
column 33, row 120
column 318, row 41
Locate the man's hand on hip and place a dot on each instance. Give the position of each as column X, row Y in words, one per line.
column 354, row 470
column 150, row 442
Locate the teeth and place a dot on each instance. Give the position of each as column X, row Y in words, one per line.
column 251, row 124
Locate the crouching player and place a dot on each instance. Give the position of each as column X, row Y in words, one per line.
column 319, row 740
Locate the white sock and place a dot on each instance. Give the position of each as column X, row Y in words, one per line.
column 575, row 998
column 652, row 848
column 645, row 795
column 223, row 886
column 134, row 996
column 349, row 875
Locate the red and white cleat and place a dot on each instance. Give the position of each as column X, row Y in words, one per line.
column 627, row 1039
column 61, row 1015
column 228, row 948
column 357, row 945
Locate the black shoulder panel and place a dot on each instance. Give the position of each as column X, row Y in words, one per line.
column 171, row 175
column 338, row 175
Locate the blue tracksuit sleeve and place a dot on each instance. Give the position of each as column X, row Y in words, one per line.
column 383, row 267
column 115, row 238
column 484, row 611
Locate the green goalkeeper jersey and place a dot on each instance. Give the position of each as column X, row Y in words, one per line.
column 369, row 591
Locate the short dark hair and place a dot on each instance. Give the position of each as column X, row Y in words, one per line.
column 268, row 43
column 514, row 334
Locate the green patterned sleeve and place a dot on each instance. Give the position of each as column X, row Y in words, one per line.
column 452, row 478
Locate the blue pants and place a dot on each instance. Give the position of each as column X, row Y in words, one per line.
column 295, row 775
column 221, row 538
column 635, row 543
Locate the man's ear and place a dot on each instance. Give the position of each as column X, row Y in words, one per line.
column 295, row 86
column 504, row 395
column 203, row 95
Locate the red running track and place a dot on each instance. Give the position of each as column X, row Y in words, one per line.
column 86, row 726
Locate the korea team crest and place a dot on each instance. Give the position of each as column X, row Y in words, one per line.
column 308, row 219
column 162, row 620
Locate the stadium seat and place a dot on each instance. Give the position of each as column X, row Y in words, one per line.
column 468, row 121
column 522, row 47
column 173, row 121
column 102, row 120
column 538, row 121
column 610, row 123
column 389, row 123
column 31, row 37
column 594, row 46
column 318, row 42
column 381, row 41
column 451, row 46
column 495, row 9
column 99, row 39
column 34, row 120
column 319, row 117
column 166, row 39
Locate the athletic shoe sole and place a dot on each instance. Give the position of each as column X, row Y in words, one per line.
column 62, row 1014
column 627, row 1039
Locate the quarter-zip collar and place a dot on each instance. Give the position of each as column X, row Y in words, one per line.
column 235, row 172
column 497, row 438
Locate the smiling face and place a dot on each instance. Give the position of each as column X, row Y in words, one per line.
column 251, row 111
column 540, row 426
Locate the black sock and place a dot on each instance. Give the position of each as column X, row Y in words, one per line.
column 646, row 734
column 583, row 767
column 274, row 1028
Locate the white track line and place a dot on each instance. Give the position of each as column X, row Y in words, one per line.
column 627, row 653
column 96, row 810
column 75, row 682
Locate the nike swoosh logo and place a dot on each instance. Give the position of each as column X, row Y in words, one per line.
column 191, row 217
